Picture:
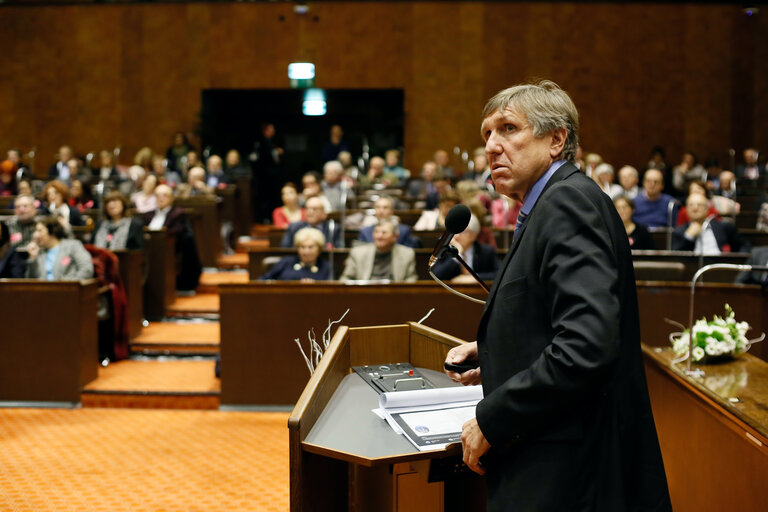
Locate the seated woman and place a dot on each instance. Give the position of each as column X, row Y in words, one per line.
column 282, row 216
column 145, row 200
column 307, row 266
column 80, row 196
column 56, row 196
column 116, row 231
column 639, row 237
column 53, row 257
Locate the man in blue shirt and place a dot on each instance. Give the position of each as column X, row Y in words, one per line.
column 652, row 205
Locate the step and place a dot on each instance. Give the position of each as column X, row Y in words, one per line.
column 159, row 383
column 179, row 337
column 201, row 305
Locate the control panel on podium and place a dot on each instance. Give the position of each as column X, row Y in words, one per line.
column 345, row 457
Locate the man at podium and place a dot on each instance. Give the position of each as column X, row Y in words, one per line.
column 566, row 422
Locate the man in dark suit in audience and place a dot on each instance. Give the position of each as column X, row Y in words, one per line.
column 480, row 257
column 565, row 422
column 385, row 209
column 705, row 235
column 174, row 220
column 316, row 218
column 759, row 257
column 751, row 171
column 60, row 170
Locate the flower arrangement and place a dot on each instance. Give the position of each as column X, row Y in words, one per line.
column 719, row 339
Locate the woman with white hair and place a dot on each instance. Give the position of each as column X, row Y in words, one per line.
column 603, row 176
column 306, row 265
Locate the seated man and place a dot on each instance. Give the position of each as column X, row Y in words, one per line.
column 628, row 179
column 331, row 186
column 22, row 225
column 384, row 208
column 706, row 235
column 316, row 218
column 310, row 187
column 383, row 259
column 480, row 257
column 759, row 257
column 174, row 220
column 217, row 178
column 195, row 185
column 651, row 204
column 377, row 175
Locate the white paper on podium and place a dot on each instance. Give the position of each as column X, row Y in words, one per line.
column 430, row 418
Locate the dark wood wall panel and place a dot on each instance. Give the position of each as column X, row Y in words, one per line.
column 685, row 76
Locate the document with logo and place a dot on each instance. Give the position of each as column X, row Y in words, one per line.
column 431, row 419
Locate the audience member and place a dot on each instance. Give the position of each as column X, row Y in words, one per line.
column 143, row 158
column 718, row 205
column 758, row 257
column 217, row 178
column 441, row 184
column 335, row 144
column 504, row 212
column 750, row 171
column 628, row 180
column 177, row 151
column 116, row 231
column 25, row 188
column 376, row 174
column 12, row 264
column 651, row 204
column 639, row 237
column 332, row 185
column 443, row 161
column 191, row 160
column 144, row 200
column 60, row 169
column 310, row 183
column 705, row 235
column 385, row 210
column 712, row 165
column 165, row 175
column 392, row 165
column 8, row 184
column 658, row 159
column 195, row 185
column 591, row 161
column 307, row 265
column 421, row 187
column 235, row 168
column 282, row 216
column 351, row 171
column 175, row 222
column 315, row 218
column 603, row 176
column 432, row 220
column 53, row 257
column 107, row 168
column 22, row 225
column 133, row 181
column 480, row 257
column 384, row 259
column 80, row 196
column 727, row 185
column 689, row 169
column 480, row 171
column 56, row 194
column 22, row 170
column 469, row 190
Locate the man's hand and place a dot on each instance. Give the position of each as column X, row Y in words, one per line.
column 475, row 445
column 459, row 354
column 694, row 229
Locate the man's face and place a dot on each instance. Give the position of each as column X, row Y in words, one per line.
column 726, row 178
column 24, row 209
column 383, row 208
column 65, row 153
column 391, row 159
column 377, row 166
column 428, row 171
column 233, row 158
column 384, row 238
column 332, row 174
column 480, row 162
column 315, row 211
column 517, row 158
column 697, row 207
column 192, row 159
column 14, row 156
column 441, row 158
column 310, row 186
column 627, row 178
column 164, row 196
column 214, row 164
column 653, row 183
column 750, row 156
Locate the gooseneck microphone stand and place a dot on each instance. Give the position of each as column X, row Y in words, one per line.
column 450, row 250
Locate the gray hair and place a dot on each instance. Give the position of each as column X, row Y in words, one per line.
column 629, row 169
column 391, row 223
column 474, row 225
column 309, row 234
column 603, row 169
column 547, row 108
column 333, row 165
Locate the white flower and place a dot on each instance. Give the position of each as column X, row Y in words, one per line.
column 711, row 349
column 698, row 353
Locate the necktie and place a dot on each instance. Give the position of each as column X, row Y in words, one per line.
column 519, row 224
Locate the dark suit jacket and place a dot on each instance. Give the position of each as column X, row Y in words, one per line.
column 175, row 221
column 484, row 263
column 566, row 408
column 726, row 234
column 293, row 227
column 759, row 256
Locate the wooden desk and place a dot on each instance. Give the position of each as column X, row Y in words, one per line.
column 692, row 262
column 260, row 362
column 160, row 285
column 243, row 211
column 132, row 273
column 713, row 432
column 49, row 339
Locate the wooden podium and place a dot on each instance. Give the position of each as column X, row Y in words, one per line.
column 343, row 457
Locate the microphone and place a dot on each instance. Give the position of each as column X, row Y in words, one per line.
column 456, row 221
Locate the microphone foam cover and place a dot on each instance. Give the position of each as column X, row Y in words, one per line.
column 457, row 219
